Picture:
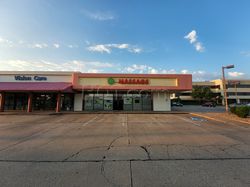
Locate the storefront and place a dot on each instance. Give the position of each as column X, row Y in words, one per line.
column 72, row 91
column 36, row 91
column 127, row 92
column 117, row 101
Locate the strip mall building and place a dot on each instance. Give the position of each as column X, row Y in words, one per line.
column 74, row 91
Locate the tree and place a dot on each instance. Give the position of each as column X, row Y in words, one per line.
column 202, row 93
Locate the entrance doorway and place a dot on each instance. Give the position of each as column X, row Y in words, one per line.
column 118, row 102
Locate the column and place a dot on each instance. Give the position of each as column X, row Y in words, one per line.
column 58, row 102
column 29, row 109
column 161, row 101
column 2, row 101
column 78, row 102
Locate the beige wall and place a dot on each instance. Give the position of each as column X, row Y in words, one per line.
column 161, row 101
column 78, row 102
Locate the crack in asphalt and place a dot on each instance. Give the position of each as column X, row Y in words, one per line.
column 147, row 152
column 83, row 149
column 71, row 156
column 129, row 142
column 131, row 174
column 111, row 143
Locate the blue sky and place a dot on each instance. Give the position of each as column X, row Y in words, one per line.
column 132, row 36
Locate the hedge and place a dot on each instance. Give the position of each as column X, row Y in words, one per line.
column 241, row 111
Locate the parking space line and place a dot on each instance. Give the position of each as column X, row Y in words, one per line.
column 91, row 120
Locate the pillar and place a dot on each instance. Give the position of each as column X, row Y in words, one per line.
column 78, row 102
column 30, row 97
column 58, row 102
column 161, row 101
column 2, row 101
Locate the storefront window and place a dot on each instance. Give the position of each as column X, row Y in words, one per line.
column 98, row 102
column 88, row 102
column 44, row 101
column 67, row 102
column 128, row 102
column 108, row 102
column 16, row 101
column 118, row 101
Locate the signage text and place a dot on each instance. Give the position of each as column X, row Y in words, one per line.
column 30, row 78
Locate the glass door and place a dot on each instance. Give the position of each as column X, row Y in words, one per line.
column 98, row 102
column 88, row 102
column 128, row 102
column 108, row 101
column 137, row 102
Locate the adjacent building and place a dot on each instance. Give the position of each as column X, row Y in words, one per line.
column 238, row 91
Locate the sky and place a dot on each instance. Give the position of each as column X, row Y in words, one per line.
column 127, row 36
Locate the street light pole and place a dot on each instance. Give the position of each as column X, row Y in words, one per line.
column 224, row 84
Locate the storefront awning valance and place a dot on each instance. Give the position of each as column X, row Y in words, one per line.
column 36, row 86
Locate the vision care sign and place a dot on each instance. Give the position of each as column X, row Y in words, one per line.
column 29, row 78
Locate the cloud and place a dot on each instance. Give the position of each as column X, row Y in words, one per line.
column 135, row 50
column 25, row 44
column 192, row 37
column 56, row 45
column 184, row 71
column 107, row 48
column 135, row 68
column 199, row 47
column 42, row 65
column 100, row 48
column 98, row 15
column 199, row 75
column 202, row 75
column 39, row 45
column 71, row 46
column 6, row 42
column 99, row 67
column 122, row 46
column 245, row 53
column 236, row 74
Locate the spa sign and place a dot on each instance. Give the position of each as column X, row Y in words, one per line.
column 112, row 81
column 29, row 78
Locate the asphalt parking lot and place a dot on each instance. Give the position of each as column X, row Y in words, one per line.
column 122, row 150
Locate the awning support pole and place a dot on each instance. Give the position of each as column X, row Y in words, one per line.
column 2, row 101
column 58, row 102
column 30, row 97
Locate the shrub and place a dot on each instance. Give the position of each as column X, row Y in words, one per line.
column 242, row 111
column 232, row 109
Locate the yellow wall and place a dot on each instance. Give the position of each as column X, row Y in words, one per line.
column 104, row 82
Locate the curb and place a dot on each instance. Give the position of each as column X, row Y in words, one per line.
column 218, row 119
column 125, row 112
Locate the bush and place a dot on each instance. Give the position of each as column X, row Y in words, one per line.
column 242, row 111
column 232, row 109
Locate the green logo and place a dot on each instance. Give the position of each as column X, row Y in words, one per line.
column 111, row 81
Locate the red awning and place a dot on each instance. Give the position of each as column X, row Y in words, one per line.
column 36, row 86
